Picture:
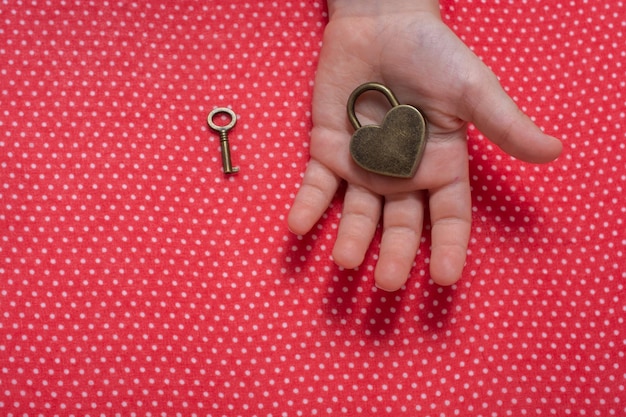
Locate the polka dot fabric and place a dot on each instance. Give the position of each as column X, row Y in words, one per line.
column 137, row 279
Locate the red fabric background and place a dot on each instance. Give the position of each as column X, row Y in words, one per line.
column 137, row 279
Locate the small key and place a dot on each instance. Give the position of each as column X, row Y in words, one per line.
column 223, row 131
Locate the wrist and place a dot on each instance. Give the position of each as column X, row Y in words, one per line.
column 370, row 8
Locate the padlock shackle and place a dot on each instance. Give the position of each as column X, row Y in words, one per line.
column 360, row 90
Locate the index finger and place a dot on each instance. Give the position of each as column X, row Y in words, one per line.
column 451, row 218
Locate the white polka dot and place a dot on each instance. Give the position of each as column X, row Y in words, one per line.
column 136, row 278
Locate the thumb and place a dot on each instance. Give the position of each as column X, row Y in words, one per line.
column 497, row 116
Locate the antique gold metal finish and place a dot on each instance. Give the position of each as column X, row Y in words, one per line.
column 394, row 148
column 223, row 131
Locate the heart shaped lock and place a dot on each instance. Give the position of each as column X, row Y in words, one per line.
column 395, row 147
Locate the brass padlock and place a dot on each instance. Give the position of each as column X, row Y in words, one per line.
column 395, row 147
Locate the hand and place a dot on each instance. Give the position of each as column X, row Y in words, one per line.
column 405, row 45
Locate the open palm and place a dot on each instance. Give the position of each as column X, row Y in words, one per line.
column 426, row 65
